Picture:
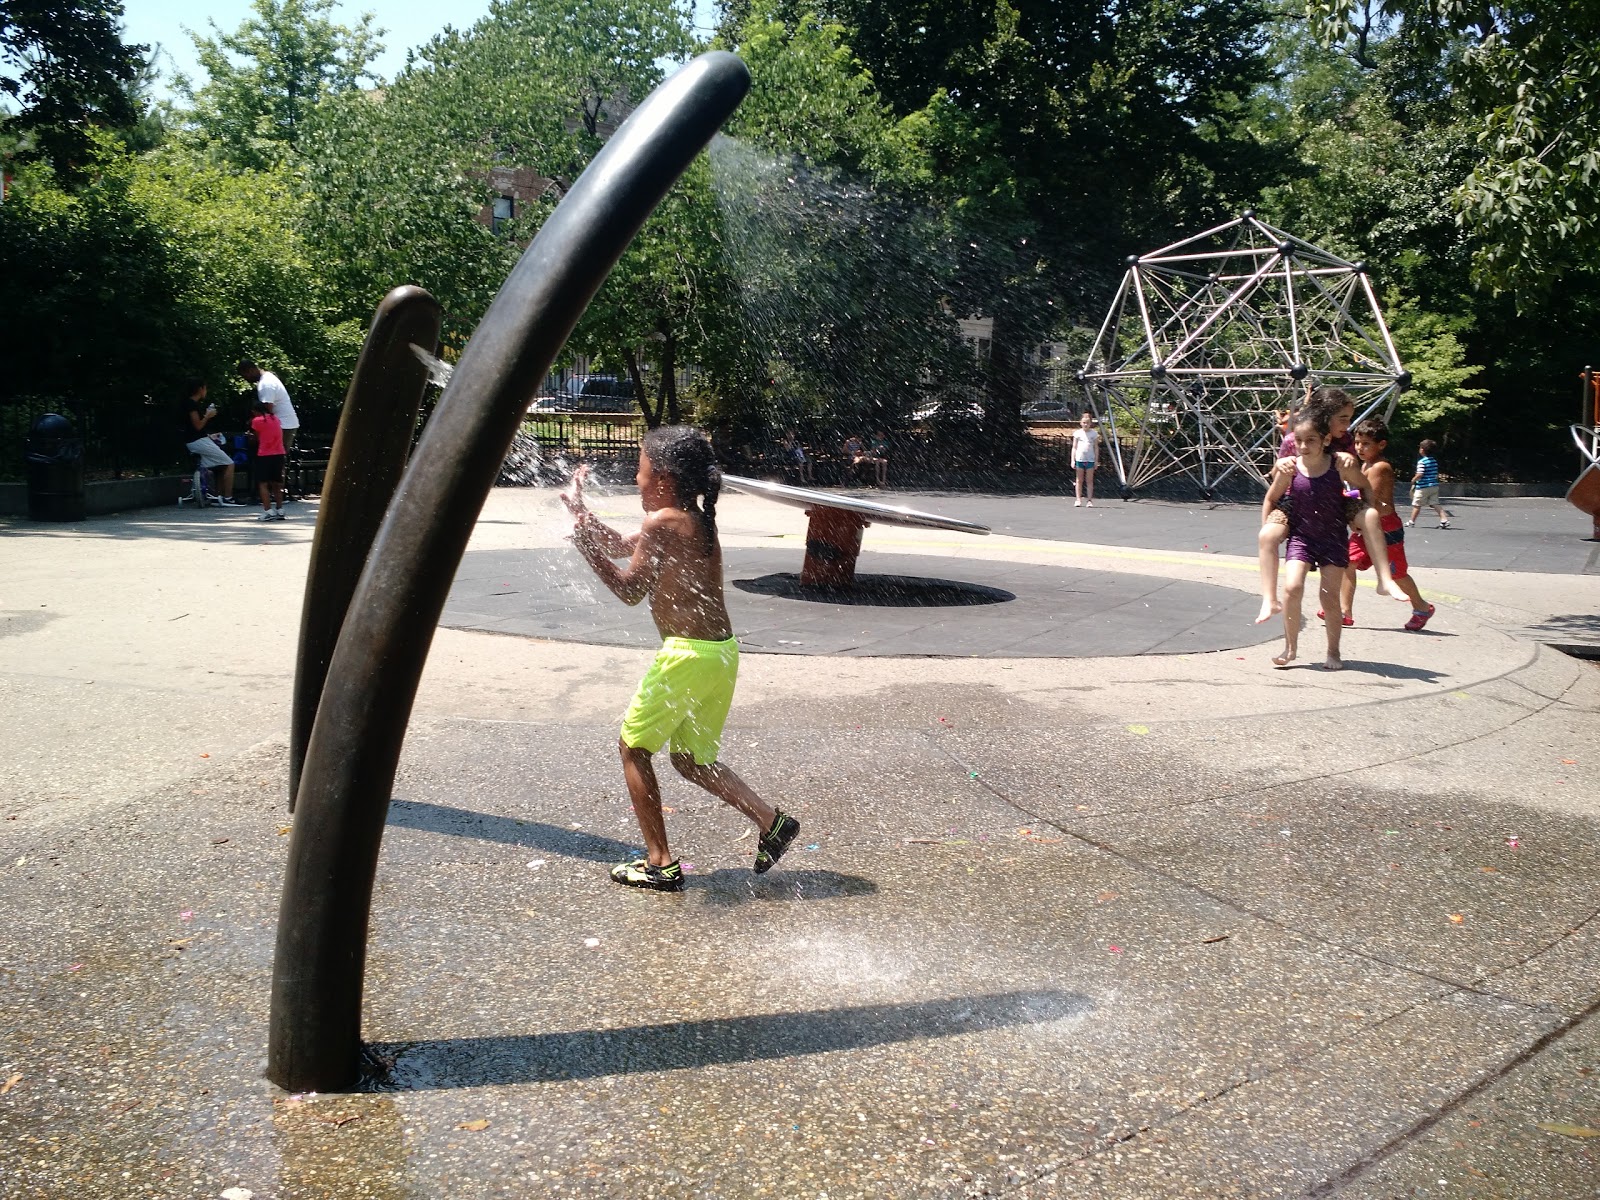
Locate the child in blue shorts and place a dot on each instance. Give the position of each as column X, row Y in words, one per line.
column 684, row 697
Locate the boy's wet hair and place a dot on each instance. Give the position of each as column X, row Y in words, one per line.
column 1428, row 446
column 1375, row 428
column 684, row 454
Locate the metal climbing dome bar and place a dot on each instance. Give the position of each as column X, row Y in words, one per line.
column 1211, row 339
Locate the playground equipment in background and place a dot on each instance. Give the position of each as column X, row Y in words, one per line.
column 1210, row 338
column 1584, row 493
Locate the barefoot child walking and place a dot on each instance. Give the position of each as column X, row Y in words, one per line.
column 676, row 560
column 1334, row 408
column 1315, row 482
column 1372, row 444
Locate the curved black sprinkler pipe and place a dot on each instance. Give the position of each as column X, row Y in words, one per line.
column 369, row 453
column 344, row 791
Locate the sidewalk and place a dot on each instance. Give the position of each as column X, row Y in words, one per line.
column 1123, row 924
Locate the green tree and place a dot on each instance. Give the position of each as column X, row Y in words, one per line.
column 156, row 269
column 63, row 63
column 653, row 312
column 1053, row 139
column 1529, row 71
column 264, row 79
column 1431, row 347
column 401, row 180
column 836, row 263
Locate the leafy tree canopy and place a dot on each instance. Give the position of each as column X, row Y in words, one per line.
column 400, row 180
column 264, row 79
column 65, row 68
column 1529, row 72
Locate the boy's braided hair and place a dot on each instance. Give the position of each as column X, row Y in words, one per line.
column 684, row 453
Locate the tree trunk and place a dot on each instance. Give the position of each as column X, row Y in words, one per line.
column 1010, row 381
column 669, row 378
column 652, row 412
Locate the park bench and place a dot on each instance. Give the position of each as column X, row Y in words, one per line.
column 305, row 469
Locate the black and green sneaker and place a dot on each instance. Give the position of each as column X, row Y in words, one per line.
column 640, row 874
column 775, row 841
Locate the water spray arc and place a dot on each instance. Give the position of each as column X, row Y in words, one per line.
column 1209, row 339
column 353, row 750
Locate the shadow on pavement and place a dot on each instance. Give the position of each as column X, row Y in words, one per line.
column 1585, row 626
column 1392, row 670
column 888, row 591
column 552, row 839
column 592, row 1053
column 724, row 889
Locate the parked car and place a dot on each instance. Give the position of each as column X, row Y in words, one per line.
column 1049, row 409
column 589, row 394
column 951, row 408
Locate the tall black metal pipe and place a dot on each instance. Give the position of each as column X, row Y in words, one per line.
column 355, row 744
column 369, row 455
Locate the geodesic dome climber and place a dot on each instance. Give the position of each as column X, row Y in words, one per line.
column 1212, row 339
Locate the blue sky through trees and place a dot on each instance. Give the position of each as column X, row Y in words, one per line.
column 409, row 23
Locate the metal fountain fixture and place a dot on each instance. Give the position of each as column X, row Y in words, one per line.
column 1584, row 494
column 835, row 526
column 391, row 535
column 1211, row 339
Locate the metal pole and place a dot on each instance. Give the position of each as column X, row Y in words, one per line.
column 344, row 791
column 369, row 453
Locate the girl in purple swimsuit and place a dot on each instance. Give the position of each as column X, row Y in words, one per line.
column 1315, row 480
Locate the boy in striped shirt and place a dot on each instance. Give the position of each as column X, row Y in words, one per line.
column 1425, row 485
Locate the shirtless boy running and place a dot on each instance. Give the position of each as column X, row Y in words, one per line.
column 1372, row 444
column 684, row 698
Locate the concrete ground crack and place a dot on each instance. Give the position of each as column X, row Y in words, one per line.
column 1356, row 1170
column 1217, row 897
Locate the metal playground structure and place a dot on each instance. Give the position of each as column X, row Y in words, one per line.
column 1211, row 340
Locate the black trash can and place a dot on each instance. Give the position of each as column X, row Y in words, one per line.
column 55, row 470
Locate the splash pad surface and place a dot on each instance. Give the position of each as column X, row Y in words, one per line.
column 998, row 952
column 902, row 605
column 919, row 592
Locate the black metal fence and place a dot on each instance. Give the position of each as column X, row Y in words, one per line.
column 139, row 439
column 586, row 436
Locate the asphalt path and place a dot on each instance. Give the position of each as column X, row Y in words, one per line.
column 1534, row 534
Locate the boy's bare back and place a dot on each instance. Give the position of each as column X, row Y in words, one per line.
column 685, row 566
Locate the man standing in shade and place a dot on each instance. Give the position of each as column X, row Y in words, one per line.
column 270, row 390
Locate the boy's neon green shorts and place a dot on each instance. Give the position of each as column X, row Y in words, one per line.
column 684, row 698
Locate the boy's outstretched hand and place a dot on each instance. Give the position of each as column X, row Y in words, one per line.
column 573, row 496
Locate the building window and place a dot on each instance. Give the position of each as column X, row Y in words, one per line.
column 505, row 208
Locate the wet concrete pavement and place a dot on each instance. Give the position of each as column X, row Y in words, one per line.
column 1122, row 924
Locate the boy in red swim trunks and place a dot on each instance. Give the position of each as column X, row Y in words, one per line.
column 1372, row 440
